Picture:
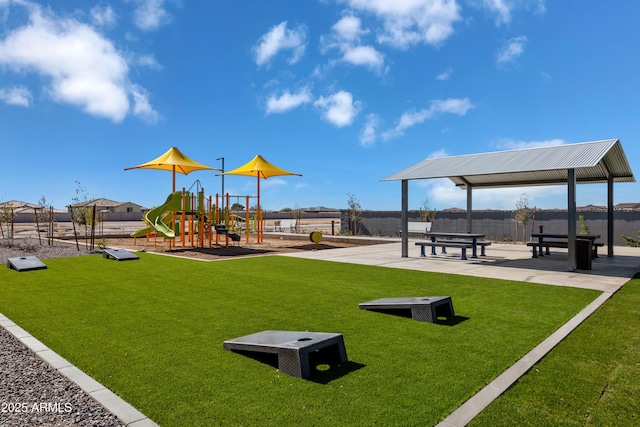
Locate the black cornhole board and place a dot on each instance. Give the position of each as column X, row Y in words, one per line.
column 25, row 263
column 293, row 348
column 424, row 309
column 119, row 254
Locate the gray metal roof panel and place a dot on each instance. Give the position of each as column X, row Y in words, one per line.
column 530, row 166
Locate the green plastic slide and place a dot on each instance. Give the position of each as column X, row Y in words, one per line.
column 157, row 217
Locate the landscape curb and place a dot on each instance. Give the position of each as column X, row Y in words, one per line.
column 126, row 413
column 478, row 402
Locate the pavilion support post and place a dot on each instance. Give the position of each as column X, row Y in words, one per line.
column 610, row 216
column 405, row 218
column 571, row 220
column 469, row 209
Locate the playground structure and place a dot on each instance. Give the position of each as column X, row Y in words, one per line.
column 195, row 220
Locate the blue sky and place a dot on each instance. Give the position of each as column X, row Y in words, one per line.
column 344, row 92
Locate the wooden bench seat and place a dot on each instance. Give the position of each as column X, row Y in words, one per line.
column 445, row 244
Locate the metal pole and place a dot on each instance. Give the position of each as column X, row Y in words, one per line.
column 405, row 218
column 222, row 158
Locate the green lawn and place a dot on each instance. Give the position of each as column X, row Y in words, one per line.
column 592, row 378
column 152, row 331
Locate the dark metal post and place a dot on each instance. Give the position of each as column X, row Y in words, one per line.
column 571, row 219
column 405, row 215
column 222, row 195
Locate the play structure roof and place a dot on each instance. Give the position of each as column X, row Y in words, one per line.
column 594, row 162
column 173, row 160
column 261, row 168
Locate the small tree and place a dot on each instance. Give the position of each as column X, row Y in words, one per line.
column 82, row 213
column 523, row 214
column 355, row 213
column 44, row 215
column 584, row 227
column 427, row 214
column 237, row 207
column 630, row 241
column 6, row 217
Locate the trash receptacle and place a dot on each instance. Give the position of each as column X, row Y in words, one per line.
column 583, row 254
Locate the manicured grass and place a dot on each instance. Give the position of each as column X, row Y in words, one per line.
column 152, row 331
column 591, row 378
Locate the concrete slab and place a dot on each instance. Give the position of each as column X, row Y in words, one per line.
column 503, row 261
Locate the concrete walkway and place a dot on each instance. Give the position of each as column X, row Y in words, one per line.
column 509, row 262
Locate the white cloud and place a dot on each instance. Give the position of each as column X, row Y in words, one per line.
column 150, row 14
column 541, row 7
column 349, row 28
column 511, row 50
column 445, row 75
column 280, row 38
column 148, row 61
column 271, row 183
column 368, row 133
column 103, row 16
column 501, row 8
column 438, row 154
column 16, row 96
column 84, row 68
column 338, row 109
column 408, row 22
column 288, row 101
column 412, row 118
column 346, row 38
column 364, row 55
column 513, row 144
column 141, row 106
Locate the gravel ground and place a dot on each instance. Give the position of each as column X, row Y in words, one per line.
column 10, row 248
column 34, row 394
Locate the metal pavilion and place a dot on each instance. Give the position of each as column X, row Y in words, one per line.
column 569, row 164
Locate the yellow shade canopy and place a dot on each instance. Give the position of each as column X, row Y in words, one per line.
column 261, row 168
column 175, row 161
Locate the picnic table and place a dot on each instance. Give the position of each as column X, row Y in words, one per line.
column 471, row 237
column 560, row 242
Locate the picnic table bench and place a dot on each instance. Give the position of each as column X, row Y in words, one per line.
column 456, row 240
column 482, row 244
column 445, row 244
column 543, row 243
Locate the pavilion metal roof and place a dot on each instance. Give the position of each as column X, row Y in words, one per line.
column 593, row 161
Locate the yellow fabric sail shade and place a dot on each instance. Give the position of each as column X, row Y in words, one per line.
column 261, row 168
column 173, row 158
column 175, row 161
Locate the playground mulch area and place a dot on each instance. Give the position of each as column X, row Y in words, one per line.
column 270, row 245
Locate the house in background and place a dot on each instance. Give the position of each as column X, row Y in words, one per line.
column 19, row 207
column 110, row 206
column 111, row 210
